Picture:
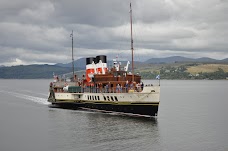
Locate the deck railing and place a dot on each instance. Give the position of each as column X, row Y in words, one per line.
column 105, row 90
column 58, row 86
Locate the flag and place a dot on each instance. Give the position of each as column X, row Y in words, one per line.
column 158, row 77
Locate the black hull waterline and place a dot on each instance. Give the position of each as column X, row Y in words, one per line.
column 141, row 110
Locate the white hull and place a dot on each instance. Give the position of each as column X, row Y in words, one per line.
column 150, row 94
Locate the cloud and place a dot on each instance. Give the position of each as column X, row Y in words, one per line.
column 41, row 38
column 42, row 12
column 39, row 31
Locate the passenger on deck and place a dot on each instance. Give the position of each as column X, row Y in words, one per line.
column 142, row 85
column 126, row 86
column 138, row 87
column 106, row 88
column 131, row 85
column 121, row 88
column 65, row 88
column 117, row 88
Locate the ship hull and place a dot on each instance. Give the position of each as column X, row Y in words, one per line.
column 143, row 103
column 142, row 110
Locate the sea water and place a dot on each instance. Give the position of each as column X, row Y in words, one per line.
column 192, row 116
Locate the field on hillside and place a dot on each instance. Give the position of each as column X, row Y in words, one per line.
column 207, row 68
column 157, row 67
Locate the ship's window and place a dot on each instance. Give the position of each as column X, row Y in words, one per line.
column 90, row 98
column 95, row 97
column 108, row 98
column 116, row 98
column 112, row 98
column 104, row 98
column 98, row 98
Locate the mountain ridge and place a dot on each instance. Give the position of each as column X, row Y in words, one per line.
column 35, row 71
column 81, row 63
column 174, row 59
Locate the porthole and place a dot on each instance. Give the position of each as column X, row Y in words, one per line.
column 98, row 98
column 104, row 98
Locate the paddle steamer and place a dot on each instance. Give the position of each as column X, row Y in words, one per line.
column 107, row 90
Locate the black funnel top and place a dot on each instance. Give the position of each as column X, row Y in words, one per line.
column 103, row 58
column 90, row 60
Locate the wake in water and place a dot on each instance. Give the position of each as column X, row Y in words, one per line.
column 28, row 91
column 28, row 97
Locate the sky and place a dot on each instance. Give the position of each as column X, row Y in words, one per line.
column 38, row 31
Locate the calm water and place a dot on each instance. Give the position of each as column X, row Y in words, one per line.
column 192, row 116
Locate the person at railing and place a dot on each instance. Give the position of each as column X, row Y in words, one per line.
column 142, row 86
column 106, row 88
column 117, row 88
column 131, row 85
column 100, row 87
column 110, row 86
column 138, row 87
column 65, row 88
column 126, row 86
column 120, row 88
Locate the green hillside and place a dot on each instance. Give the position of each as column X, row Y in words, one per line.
column 147, row 71
column 32, row 71
column 185, row 71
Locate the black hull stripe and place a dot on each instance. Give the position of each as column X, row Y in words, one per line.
column 135, row 109
column 105, row 102
column 121, row 113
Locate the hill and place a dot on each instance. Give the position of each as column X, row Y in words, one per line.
column 32, row 71
column 172, row 59
column 207, row 68
column 185, row 71
column 80, row 64
column 175, row 67
column 176, row 59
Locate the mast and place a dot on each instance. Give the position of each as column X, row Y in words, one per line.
column 71, row 35
column 132, row 49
